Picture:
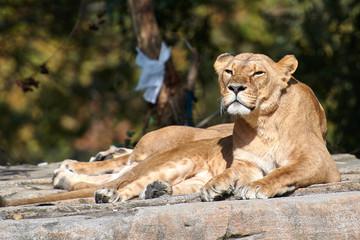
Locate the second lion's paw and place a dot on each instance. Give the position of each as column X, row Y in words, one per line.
column 156, row 189
column 106, row 195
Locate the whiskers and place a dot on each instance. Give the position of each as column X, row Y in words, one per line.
column 222, row 106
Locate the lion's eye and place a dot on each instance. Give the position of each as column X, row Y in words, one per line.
column 229, row 71
column 258, row 73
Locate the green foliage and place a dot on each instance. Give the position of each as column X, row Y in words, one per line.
column 87, row 100
column 333, row 52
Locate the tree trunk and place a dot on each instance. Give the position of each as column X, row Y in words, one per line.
column 170, row 106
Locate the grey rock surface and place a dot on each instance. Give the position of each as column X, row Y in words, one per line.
column 323, row 211
column 325, row 216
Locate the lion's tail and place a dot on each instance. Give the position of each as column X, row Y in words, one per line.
column 83, row 193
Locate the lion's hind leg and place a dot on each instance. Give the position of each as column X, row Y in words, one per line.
column 109, row 166
column 174, row 172
column 68, row 180
column 64, row 178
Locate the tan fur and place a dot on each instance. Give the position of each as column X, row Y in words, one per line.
column 278, row 142
column 169, row 147
column 279, row 134
column 74, row 175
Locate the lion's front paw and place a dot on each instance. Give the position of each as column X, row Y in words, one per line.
column 106, row 196
column 254, row 190
column 156, row 189
column 215, row 190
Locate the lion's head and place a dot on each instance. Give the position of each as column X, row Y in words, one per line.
column 252, row 82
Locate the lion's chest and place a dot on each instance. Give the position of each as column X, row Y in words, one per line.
column 267, row 157
column 265, row 145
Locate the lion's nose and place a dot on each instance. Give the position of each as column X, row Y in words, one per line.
column 236, row 88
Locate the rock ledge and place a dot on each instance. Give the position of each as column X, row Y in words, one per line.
column 324, row 211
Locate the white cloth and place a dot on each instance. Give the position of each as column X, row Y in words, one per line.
column 153, row 72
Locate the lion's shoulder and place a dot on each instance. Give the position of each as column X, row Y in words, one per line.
column 304, row 103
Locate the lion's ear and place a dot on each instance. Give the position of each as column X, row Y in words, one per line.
column 221, row 61
column 289, row 64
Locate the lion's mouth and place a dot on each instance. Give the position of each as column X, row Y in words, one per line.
column 243, row 104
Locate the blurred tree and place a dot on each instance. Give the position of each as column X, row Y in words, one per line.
column 79, row 106
column 170, row 104
column 87, row 100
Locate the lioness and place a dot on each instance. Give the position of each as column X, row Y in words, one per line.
column 278, row 142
